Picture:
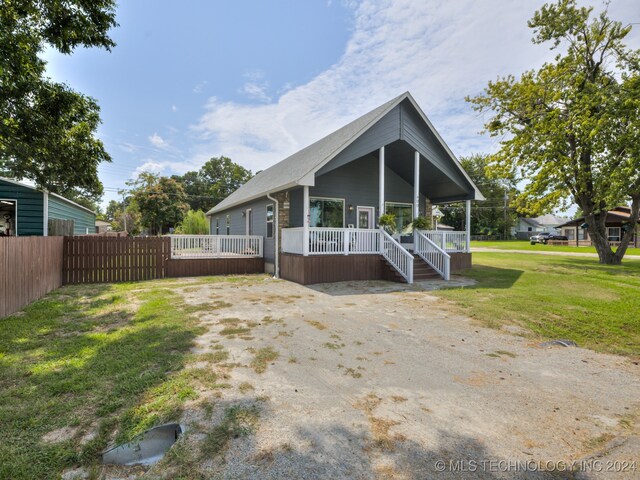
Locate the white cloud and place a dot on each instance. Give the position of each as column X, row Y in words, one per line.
column 151, row 166
column 255, row 88
column 174, row 108
column 198, row 87
column 158, row 142
column 437, row 49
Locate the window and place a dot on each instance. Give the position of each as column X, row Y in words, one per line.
column 8, row 217
column 569, row 233
column 270, row 221
column 228, row 224
column 614, row 234
column 403, row 213
column 529, row 229
column 326, row 212
column 217, row 226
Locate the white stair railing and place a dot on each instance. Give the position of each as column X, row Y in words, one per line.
column 293, row 240
column 449, row 241
column 431, row 253
column 397, row 256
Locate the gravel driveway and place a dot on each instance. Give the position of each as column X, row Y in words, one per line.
column 380, row 380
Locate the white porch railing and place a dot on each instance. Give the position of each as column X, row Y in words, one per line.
column 216, row 246
column 397, row 256
column 447, row 240
column 431, row 253
column 331, row 241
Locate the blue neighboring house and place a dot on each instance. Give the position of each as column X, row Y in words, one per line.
column 26, row 211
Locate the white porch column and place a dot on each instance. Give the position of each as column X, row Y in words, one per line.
column 305, row 220
column 416, row 185
column 468, row 225
column 381, row 184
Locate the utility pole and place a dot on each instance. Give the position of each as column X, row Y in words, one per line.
column 505, row 214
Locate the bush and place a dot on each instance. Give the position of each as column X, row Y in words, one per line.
column 194, row 223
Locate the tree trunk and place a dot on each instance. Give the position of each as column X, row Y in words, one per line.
column 598, row 233
column 631, row 228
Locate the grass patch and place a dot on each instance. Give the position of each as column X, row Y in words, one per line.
column 228, row 331
column 553, row 296
column 317, row 324
column 216, row 356
column 526, row 245
column 117, row 353
column 262, row 358
column 245, row 387
column 238, row 421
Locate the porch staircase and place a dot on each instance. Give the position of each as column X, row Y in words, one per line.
column 421, row 271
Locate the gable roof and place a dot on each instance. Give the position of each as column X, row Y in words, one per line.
column 31, row 187
column 299, row 168
column 616, row 214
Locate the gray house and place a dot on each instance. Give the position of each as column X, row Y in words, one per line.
column 319, row 208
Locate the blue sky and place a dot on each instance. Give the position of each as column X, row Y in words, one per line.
column 258, row 80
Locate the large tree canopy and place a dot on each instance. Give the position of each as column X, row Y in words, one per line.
column 161, row 202
column 572, row 128
column 47, row 130
column 215, row 181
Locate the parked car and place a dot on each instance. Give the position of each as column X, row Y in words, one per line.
column 540, row 238
column 545, row 237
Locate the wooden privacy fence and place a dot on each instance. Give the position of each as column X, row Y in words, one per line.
column 97, row 259
column 30, row 267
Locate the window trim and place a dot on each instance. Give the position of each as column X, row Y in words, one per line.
column 330, row 198
column 217, row 225
column 228, row 224
column 267, row 221
column 618, row 236
column 15, row 210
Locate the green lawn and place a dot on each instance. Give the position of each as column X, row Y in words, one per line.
column 555, row 297
column 90, row 364
column 526, row 245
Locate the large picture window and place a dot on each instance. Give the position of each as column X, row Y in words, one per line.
column 326, row 212
column 403, row 213
column 614, row 234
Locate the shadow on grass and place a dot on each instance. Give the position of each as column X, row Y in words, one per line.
column 68, row 367
column 490, row 277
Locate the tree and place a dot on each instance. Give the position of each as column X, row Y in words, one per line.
column 215, row 181
column 572, row 127
column 194, row 223
column 160, row 200
column 495, row 215
column 127, row 219
column 47, row 131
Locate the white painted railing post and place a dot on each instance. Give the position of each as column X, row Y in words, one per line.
column 381, row 183
column 468, row 226
column 347, row 240
column 444, row 241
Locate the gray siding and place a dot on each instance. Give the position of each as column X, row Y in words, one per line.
column 83, row 221
column 383, row 132
column 30, row 207
column 415, row 133
column 238, row 225
column 357, row 183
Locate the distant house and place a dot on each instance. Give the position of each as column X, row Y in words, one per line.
column 318, row 209
column 575, row 230
column 103, row 226
column 527, row 227
column 25, row 210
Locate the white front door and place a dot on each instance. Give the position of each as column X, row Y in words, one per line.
column 365, row 217
column 248, row 226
